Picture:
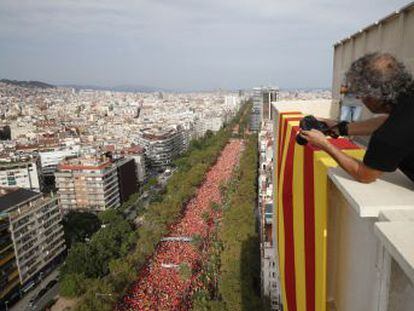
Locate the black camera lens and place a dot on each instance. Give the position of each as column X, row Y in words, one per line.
column 308, row 123
column 300, row 140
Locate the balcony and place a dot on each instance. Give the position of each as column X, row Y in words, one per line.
column 4, row 258
column 342, row 245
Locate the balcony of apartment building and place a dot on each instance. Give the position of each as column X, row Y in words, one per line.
column 6, row 256
column 53, row 251
column 9, row 278
column 342, row 245
column 6, row 242
column 269, row 213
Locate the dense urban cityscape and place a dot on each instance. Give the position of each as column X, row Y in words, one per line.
column 71, row 153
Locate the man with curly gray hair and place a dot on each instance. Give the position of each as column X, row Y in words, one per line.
column 385, row 87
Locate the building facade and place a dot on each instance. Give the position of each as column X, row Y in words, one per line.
column 9, row 274
column 256, row 113
column 32, row 236
column 161, row 146
column 88, row 183
column 49, row 160
column 21, row 172
column 270, row 286
column 137, row 153
column 262, row 101
column 127, row 178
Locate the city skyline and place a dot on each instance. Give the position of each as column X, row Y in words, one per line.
column 182, row 46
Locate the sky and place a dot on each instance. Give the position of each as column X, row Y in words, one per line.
column 180, row 44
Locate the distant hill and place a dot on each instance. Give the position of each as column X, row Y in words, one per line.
column 28, row 84
column 118, row 88
column 139, row 88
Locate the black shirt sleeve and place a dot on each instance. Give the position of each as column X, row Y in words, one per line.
column 383, row 154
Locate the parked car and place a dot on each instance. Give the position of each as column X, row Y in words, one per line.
column 41, row 293
column 51, row 284
column 28, row 287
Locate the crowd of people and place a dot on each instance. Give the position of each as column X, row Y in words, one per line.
column 162, row 284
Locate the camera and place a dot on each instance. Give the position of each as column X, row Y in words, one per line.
column 310, row 122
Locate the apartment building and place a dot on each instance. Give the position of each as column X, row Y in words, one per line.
column 269, row 95
column 21, row 172
column 262, row 101
column 137, row 153
column 49, row 160
column 88, row 183
column 161, row 146
column 9, row 274
column 32, row 235
column 127, row 178
column 270, row 286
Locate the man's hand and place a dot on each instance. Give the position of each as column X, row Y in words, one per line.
column 316, row 138
column 366, row 127
column 355, row 168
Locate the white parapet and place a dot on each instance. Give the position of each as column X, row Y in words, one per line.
column 371, row 243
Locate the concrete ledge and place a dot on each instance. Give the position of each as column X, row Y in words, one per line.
column 397, row 215
column 397, row 238
column 318, row 107
column 393, row 191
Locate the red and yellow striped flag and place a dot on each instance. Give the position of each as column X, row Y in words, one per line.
column 302, row 196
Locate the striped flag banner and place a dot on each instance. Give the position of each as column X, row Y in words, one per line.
column 301, row 217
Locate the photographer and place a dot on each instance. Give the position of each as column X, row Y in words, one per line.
column 385, row 87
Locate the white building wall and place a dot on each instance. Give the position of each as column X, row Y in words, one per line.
column 140, row 166
column 393, row 34
column 21, row 174
column 50, row 159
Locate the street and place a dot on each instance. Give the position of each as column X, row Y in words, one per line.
column 23, row 304
column 145, row 198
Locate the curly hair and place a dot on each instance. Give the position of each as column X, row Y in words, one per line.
column 379, row 76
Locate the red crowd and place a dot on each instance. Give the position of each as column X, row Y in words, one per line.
column 160, row 285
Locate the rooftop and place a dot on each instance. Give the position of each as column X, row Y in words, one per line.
column 14, row 196
column 157, row 134
column 85, row 163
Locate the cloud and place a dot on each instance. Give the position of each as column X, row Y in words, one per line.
column 179, row 43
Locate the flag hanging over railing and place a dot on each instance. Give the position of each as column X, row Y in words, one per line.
column 302, row 204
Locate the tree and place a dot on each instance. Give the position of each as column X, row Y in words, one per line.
column 72, row 285
column 79, row 226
